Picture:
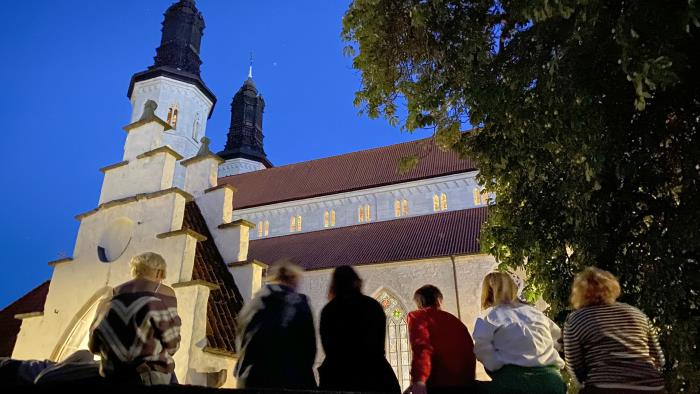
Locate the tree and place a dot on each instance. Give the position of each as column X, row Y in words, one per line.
column 586, row 116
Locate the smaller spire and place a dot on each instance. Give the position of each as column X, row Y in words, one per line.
column 204, row 149
column 250, row 67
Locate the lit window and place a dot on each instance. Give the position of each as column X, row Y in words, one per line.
column 443, row 202
column 400, row 208
column 172, row 116
column 368, row 213
column 397, row 208
column 292, row 224
column 260, row 229
column 481, row 196
column 404, row 208
column 398, row 350
column 332, row 217
column 299, row 223
column 267, row 228
column 436, row 203
column 326, row 219
column 360, row 214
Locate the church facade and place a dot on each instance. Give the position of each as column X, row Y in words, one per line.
column 221, row 219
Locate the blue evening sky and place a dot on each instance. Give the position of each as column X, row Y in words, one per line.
column 65, row 73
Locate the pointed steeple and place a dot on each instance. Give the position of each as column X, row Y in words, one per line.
column 183, row 27
column 177, row 57
column 245, row 135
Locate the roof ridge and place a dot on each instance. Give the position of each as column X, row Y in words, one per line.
column 334, row 156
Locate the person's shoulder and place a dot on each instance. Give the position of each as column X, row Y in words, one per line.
column 166, row 290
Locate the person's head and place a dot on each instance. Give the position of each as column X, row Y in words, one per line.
column 594, row 286
column 428, row 296
column 149, row 266
column 498, row 288
column 285, row 273
column 344, row 281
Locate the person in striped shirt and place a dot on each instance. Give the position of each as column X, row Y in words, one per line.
column 609, row 346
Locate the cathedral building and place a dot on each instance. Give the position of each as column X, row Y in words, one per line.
column 221, row 219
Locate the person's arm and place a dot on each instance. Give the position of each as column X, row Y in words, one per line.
column 309, row 332
column 555, row 332
column 167, row 325
column 422, row 348
column 483, row 345
column 327, row 331
column 94, row 341
column 654, row 349
column 573, row 352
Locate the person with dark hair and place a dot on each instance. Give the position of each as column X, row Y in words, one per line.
column 353, row 330
column 443, row 351
column 276, row 336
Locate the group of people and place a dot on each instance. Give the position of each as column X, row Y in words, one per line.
column 609, row 347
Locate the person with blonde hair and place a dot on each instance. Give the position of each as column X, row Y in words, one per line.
column 515, row 342
column 136, row 331
column 276, row 337
column 610, row 346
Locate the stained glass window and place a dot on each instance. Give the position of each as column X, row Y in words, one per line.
column 326, row 219
column 292, row 224
column 368, row 213
column 443, row 201
column 360, row 214
column 436, row 203
column 404, row 209
column 260, row 229
column 397, row 208
column 332, row 217
column 299, row 223
column 398, row 349
column 267, row 228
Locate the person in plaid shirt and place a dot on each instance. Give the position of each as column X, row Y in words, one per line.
column 137, row 330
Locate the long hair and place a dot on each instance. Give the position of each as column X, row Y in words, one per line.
column 594, row 286
column 344, row 281
column 498, row 288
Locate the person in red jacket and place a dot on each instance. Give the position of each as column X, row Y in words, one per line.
column 443, row 350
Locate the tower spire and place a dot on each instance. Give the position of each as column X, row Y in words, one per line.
column 250, row 68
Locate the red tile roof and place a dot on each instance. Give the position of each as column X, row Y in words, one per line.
column 9, row 326
column 419, row 237
column 336, row 174
column 224, row 302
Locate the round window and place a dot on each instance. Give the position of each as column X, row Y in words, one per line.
column 115, row 239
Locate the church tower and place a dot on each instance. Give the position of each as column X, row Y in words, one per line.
column 174, row 83
column 244, row 145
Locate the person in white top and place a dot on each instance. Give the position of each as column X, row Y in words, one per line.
column 515, row 342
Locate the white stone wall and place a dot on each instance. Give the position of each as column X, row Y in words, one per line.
column 193, row 110
column 459, row 189
column 239, row 166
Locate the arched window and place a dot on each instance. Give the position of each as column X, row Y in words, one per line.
column 443, row 201
column 326, row 219
column 332, row 217
column 368, row 213
column 436, row 203
column 260, row 226
column 195, row 128
column 360, row 214
column 398, row 349
column 397, row 208
column 267, row 228
column 292, row 224
column 481, row 197
column 404, row 208
column 172, row 116
column 299, row 223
